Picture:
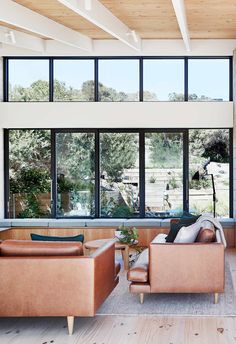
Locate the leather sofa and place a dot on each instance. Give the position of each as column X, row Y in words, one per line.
column 55, row 279
column 179, row 268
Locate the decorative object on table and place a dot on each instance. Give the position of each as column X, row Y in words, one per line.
column 127, row 235
column 203, row 173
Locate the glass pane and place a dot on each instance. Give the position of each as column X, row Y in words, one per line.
column 163, row 174
column 75, row 174
column 118, row 80
column 208, row 80
column 29, row 172
column 209, row 155
column 28, row 80
column 73, row 80
column 119, row 174
column 163, row 80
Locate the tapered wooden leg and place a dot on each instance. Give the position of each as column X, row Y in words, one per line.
column 141, row 297
column 70, row 323
column 216, row 298
column 125, row 256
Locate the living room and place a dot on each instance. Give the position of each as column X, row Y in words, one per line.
column 117, row 161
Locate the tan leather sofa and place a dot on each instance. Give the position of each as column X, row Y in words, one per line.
column 54, row 279
column 179, row 268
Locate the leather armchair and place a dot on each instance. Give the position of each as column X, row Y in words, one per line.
column 54, row 279
column 179, row 268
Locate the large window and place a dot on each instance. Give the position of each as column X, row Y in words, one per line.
column 119, row 174
column 118, row 80
column 208, row 79
column 75, row 174
column 163, row 80
column 73, row 80
column 29, row 174
column 28, row 80
column 209, row 157
column 115, row 173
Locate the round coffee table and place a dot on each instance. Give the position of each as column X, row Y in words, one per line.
column 124, row 248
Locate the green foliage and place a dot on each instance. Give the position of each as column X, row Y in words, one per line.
column 128, row 235
column 119, row 151
column 210, row 143
column 165, row 150
column 30, row 180
column 37, row 91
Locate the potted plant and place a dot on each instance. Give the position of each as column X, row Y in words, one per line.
column 127, row 235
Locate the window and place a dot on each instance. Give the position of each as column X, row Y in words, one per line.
column 28, row 80
column 163, row 80
column 29, row 174
column 209, row 154
column 118, row 80
column 73, row 80
column 75, row 174
column 119, row 174
column 208, row 80
column 163, row 174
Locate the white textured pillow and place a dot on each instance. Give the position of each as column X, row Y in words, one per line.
column 187, row 235
column 160, row 239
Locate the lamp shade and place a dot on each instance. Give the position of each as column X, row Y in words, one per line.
column 196, row 176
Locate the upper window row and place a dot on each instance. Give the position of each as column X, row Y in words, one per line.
column 137, row 79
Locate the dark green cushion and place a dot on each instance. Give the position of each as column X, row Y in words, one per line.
column 38, row 237
column 175, row 227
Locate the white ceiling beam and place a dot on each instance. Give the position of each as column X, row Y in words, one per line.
column 180, row 13
column 99, row 15
column 21, row 40
column 22, row 17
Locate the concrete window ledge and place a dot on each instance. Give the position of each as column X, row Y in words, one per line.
column 67, row 223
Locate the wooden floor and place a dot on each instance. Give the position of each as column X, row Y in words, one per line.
column 124, row 329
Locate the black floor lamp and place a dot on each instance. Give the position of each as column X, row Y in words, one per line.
column 198, row 175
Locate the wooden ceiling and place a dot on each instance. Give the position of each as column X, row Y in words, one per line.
column 151, row 19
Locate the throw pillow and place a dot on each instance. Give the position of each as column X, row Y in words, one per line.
column 175, row 226
column 79, row 237
column 187, row 235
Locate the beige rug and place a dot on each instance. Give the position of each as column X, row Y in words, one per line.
column 122, row 302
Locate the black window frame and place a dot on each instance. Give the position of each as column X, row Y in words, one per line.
column 141, row 132
column 96, row 72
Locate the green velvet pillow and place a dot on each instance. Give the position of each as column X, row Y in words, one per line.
column 175, row 226
column 38, row 237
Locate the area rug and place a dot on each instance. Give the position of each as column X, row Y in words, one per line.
column 122, row 302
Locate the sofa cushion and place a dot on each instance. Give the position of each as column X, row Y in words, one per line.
column 176, row 224
column 139, row 271
column 188, row 234
column 79, row 238
column 206, row 235
column 23, row 248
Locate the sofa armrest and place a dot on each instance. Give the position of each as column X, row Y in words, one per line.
column 105, row 278
column 196, row 267
column 139, row 271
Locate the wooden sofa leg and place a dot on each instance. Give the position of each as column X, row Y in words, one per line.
column 70, row 323
column 216, row 298
column 141, row 297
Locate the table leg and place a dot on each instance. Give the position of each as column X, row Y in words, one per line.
column 125, row 256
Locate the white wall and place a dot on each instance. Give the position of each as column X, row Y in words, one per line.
column 117, row 115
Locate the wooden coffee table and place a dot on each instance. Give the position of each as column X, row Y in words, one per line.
column 124, row 248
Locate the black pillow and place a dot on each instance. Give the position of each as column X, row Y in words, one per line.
column 38, row 237
column 175, row 226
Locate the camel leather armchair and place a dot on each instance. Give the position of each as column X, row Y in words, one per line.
column 54, row 279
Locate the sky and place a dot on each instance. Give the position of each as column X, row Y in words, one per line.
column 206, row 77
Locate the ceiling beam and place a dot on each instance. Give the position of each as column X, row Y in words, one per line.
column 22, row 17
column 180, row 13
column 21, row 40
column 99, row 15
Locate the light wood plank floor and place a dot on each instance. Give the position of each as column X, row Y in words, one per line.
column 124, row 329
